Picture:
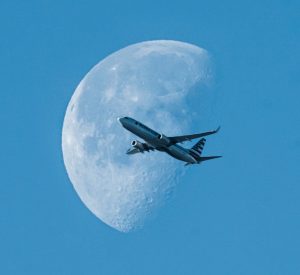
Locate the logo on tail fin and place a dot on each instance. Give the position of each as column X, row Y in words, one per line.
column 197, row 149
column 199, row 145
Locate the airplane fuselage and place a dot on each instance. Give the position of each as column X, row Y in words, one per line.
column 154, row 139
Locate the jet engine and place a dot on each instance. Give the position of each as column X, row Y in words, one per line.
column 164, row 140
column 137, row 144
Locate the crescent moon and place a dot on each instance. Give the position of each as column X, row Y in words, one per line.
column 156, row 82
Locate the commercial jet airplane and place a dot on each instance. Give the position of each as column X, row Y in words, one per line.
column 160, row 142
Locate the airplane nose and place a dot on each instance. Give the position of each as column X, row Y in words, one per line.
column 119, row 119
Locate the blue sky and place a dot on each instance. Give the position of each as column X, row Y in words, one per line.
column 238, row 215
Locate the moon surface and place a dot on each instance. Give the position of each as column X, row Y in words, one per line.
column 163, row 84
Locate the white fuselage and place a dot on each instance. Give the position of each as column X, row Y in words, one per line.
column 153, row 139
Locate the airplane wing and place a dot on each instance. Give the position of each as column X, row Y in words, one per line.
column 132, row 151
column 178, row 139
column 140, row 148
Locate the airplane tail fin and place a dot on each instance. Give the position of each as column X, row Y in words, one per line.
column 197, row 149
column 196, row 152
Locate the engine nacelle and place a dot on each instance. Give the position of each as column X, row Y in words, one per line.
column 164, row 140
column 137, row 144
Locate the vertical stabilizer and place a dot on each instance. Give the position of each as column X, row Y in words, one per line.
column 197, row 149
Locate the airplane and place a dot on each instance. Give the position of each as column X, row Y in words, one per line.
column 160, row 142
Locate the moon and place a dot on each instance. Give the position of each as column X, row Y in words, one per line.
column 165, row 85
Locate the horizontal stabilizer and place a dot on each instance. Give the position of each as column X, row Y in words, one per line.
column 203, row 159
column 208, row 158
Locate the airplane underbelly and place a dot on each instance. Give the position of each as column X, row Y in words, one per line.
column 179, row 153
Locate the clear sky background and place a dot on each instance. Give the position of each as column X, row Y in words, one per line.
column 236, row 215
